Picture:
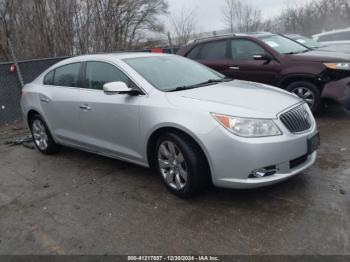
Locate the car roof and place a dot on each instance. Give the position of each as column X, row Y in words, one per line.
column 332, row 32
column 230, row 36
column 293, row 35
column 111, row 56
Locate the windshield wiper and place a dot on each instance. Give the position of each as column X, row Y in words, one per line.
column 294, row 53
column 208, row 82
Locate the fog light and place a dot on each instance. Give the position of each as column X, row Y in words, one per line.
column 263, row 172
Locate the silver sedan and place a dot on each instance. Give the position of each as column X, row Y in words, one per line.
column 191, row 124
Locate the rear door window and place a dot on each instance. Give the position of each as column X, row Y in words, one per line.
column 194, row 53
column 48, row 80
column 67, row 75
column 243, row 49
column 214, row 50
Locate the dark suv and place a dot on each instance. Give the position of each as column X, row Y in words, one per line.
column 315, row 76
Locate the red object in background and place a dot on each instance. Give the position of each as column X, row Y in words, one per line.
column 157, row 50
column 12, row 68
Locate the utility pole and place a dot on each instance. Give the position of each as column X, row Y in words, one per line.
column 14, row 59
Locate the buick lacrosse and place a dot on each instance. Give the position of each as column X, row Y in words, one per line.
column 191, row 124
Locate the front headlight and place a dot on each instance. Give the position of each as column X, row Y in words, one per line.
column 248, row 127
column 340, row 66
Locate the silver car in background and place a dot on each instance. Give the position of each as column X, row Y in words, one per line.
column 191, row 124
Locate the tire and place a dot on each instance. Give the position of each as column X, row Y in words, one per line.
column 194, row 164
column 309, row 92
column 42, row 137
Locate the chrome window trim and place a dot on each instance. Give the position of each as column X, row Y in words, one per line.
column 144, row 93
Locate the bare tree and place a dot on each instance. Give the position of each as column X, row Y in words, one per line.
column 5, row 14
column 315, row 17
column 67, row 27
column 184, row 26
column 242, row 17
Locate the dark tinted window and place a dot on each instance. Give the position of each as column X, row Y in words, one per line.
column 245, row 49
column 67, row 75
column 99, row 73
column 48, row 80
column 214, row 51
column 341, row 36
column 194, row 53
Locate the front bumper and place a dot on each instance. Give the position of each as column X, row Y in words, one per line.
column 338, row 91
column 233, row 159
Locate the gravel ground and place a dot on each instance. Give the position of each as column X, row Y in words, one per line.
column 79, row 203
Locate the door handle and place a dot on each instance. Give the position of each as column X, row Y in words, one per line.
column 85, row 107
column 45, row 100
column 234, row 67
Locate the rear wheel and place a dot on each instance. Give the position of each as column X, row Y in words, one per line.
column 307, row 91
column 42, row 137
column 181, row 165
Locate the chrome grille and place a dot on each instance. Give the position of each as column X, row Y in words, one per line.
column 297, row 120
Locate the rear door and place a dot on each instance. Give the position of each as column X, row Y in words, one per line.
column 110, row 123
column 212, row 54
column 243, row 66
column 60, row 101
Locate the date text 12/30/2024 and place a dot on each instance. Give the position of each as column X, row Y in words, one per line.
column 173, row 258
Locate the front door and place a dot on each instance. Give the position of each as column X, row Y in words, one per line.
column 110, row 123
column 243, row 65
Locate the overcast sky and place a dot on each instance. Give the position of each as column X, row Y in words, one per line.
column 209, row 12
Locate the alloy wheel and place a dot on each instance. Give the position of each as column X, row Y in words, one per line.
column 305, row 94
column 40, row 135
column 172, row 165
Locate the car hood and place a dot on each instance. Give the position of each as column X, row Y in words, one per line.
column 237, row 98
column 321, row 56
column 336, row 48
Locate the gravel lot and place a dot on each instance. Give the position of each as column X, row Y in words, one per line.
column 79, row 203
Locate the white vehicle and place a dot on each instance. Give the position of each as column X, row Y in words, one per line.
column 336, row 40
column 341, row 36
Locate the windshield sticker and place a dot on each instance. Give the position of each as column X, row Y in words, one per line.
column 272, row 44
column 301, row 41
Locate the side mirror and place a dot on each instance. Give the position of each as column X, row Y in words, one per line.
column 262, row 57
column 114, row 88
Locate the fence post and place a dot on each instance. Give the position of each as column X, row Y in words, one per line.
column 18, row 70
column 170, row 43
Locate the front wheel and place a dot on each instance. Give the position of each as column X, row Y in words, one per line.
column 307, row 91
column 181, row 165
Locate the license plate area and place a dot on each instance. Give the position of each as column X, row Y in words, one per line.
column 313, row 143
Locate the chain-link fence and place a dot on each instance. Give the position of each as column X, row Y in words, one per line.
column 10, row 87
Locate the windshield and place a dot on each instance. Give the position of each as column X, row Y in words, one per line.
column 306, row 41
column 284, row 45
column 168, row 73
